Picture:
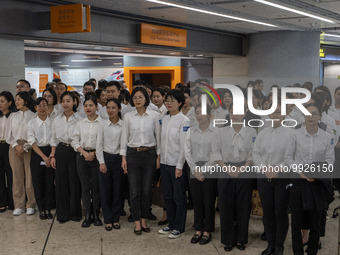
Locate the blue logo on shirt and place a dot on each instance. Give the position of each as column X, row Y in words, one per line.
column 185, row 128
column 254, row 139
column 160, row 122
column 332, row 141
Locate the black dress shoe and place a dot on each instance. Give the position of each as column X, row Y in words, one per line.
column 205, row 239
column 137, row 232
column 87, row 222
column 263, row 236
column 42, row 215
column 228, row 247
column 48, row 214
column 152, row 216
column 116, row 225
column 278, row 251
column 96, row 220
column 162, row 222
column 146, row 230
column 76, row 219
column 319, row 246
column 196, row 238
column 108, row 228
column 130, row 218
column 241, row 247
column 123, row 213
column 3, row 209
column 269, row 251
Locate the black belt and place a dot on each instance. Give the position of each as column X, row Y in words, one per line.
column 91, row 150
column 140, row 149
column 65, row 144
column 2, row 141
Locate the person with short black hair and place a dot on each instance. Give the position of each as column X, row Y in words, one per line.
column 102, row 84
column 124, row 97
column 23, row 85
column 52, row 85
column 84, row 141
column 20, row 155
column 174, row 183
column 68, row 190
column 56, row 80
column 38, row 136
column 140, row 148
column 102, row 97
column 94, row 81
column 6, row 176
column 60, row 89
column 157, row 97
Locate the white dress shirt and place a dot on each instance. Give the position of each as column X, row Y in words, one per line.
column 201, row 143
column 188, row 151
column 270, row 146
column 335, row 114
column 39, row 132
column 63, row 129
column 192, row 117
column 54, row 113
column 4, row 122
column 17, row 128
column 174, row 129
column 230, row 146
column 304, row 148
column 141, row 131
column 128, row 108
column 85, row 134
column 108, row 139
column 163, row 110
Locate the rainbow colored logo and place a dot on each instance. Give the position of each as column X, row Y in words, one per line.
column 209, row 93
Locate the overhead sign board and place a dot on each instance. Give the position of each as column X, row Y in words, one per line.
column 73, row 18
column 161, row 35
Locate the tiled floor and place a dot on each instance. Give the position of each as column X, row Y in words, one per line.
column 27, row 235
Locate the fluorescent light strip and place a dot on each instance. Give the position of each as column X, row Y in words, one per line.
column 293, row 10
column 211, row 13
column 330, row 35
column 86, row 60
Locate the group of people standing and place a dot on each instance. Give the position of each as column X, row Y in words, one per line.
column 71, row 151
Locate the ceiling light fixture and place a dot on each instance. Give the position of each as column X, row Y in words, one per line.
column 293, row 10
column 330, row 35
column 86, row 60
column 211, row 13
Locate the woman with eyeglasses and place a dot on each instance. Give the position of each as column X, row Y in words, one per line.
column 309, row 148
column 6, row 179
column 52, row 100
column 140, row 149
column 39, row 135
column 68, row 191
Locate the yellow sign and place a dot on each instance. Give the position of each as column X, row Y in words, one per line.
column 322, row 54
column 73, row 18
column 160, row 35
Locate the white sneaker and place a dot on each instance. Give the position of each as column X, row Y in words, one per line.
column 175, row 234
column 18, row 211
column 165, row 231
column 30, row 211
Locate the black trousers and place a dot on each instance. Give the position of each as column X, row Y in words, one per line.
column 275, row 202
column 141, row 169
column 235, row 206
column 174, row 194
column 297, row 216
column 204, row 196
column 111, row 188
column 88, row 176
column 43, row 180
column 6, row 179
column 68, row 191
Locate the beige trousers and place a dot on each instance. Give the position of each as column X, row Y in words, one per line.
column 22, row 179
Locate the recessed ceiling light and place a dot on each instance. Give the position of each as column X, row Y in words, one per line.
column 64, row 65
column 293, row 10
column 211, row 13
column 86, row 60
column 139, row 51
